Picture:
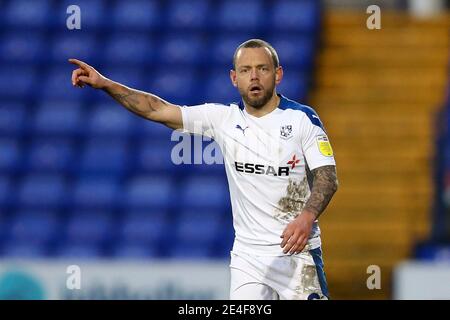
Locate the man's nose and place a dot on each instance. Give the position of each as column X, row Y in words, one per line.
column 254, row 74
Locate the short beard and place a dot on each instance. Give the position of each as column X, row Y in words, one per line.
column 258, row 103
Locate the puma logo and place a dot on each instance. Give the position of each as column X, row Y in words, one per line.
column 238, row 126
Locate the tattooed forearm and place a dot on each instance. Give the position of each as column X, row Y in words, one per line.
column 129, row 99
column 138, row 102
column 325, row 184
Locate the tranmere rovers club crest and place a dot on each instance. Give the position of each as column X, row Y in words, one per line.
column 286, row 131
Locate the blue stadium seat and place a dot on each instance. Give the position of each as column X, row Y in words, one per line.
column 218, row 87
column 34, row 227
column 155, row 156
column 64, row 148
column 176, row 85
column 294, row 85
column 294, row 51
column 216, row 170
column 224, row 238
column 27, row 14
column 198, row 226
column 295, row 15
column 135, row 49
column 58, row 117
column 129, row 76
column 50, row 155
column 89, row 227
column 432, row 252
column 89, row 192
column 182, row 49
column 146, row 212
column 212, row 163
column 135, row 251
column 144, row 229
column 79, row 251
column 222, row 49
column 141, row 15
column 5, row 225
column 145, row 192
column 12, row 118
column 7, row 192
column 58, row 85
column 80, row 45
column 10, row 155
column 17, row 81
column 188, row 251
column 24, row 249
column 104, row 156
column 110, row 120
column 42, row 191
column 93, row 13
column 204, row 192
column 241, row 15
column 20, row 47
column 184, row 15
column 152, row 131
column 446, row 155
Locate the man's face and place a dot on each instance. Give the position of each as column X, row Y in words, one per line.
column 255, row 76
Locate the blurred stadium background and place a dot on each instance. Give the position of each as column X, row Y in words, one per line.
column 84, row 182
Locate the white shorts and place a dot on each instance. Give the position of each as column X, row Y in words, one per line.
column 295, row 277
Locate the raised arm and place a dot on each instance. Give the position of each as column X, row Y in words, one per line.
column 325, row 184
column 145, row 105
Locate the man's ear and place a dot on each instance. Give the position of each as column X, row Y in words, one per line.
column 278, row 75
column 233, row 77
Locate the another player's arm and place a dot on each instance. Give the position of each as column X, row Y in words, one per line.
column 143, row 104
column 325, row 184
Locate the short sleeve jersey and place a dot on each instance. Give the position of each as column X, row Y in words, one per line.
column 268, row 162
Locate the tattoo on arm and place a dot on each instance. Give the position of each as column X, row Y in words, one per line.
column 128, row 99
column 138, row 102
column 325, row 184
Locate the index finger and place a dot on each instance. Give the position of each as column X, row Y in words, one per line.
column 79, row 63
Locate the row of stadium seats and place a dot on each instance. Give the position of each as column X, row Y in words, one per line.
column 82, row 177
column 181, row 85
column 150, row 15
column 143, row 232
column 96, row 155
column 143, row 49
column 138, row 192
column 66, row 119
column 113, row 157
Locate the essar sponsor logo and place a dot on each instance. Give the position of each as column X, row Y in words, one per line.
column 261, row 169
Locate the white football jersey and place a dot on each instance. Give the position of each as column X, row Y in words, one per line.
column 267, row 162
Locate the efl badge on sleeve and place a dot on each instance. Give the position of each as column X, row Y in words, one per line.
column 286, row 131
column 324, row 146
